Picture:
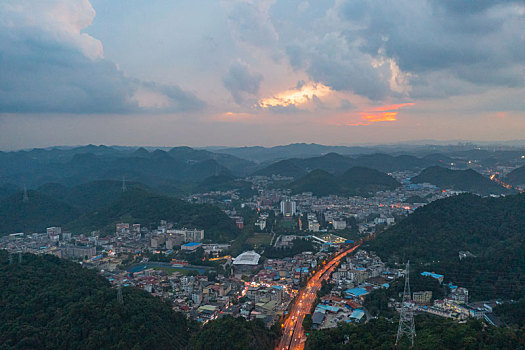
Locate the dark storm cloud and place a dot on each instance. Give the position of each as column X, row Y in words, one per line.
column 240, row 82
column 40, row 73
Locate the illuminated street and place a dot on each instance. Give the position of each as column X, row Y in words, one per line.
column 293, row 333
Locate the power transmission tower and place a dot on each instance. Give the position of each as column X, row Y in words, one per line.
column 120, row 299
column 406, row 320
column 19, row 257
column 124, row 188
column 10, row 258
column 26, row 197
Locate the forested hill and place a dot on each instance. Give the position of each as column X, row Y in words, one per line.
column 147, row 208
column 516, row 177
column 355, row 181
column 100, row 205
column 493, row 229
column 50, row 303
column 461, row 180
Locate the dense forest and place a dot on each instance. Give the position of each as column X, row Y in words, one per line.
column 235, row 334
column 492, row 229
column 461, row 180
column 50, row 303
column 432, row 333
column 100, row 205
column 355, row 181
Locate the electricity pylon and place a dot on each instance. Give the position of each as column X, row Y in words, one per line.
column 406, row 320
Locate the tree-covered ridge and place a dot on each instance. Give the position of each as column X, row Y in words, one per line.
column 235, row 334
column 50, row 303
column 461, row 180
column 516, row 177
column 493, row 229
column 432, row 333
column 148, row 208
column 355, row 181
column 102, row 204
column 35, row 214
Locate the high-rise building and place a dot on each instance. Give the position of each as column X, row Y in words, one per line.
column 288, row 207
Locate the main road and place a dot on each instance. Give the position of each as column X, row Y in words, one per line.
column 293, row 332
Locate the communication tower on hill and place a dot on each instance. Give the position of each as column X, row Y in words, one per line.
column 124, row 188
column 26, row 197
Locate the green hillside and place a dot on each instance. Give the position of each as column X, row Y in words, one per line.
column 516, row 177
column 235, row 334
column 355, row 181
column 461, row 180
column 100, row 205
column 143, row 207
column 50, row 303
column 35, row 214
column 493, row 229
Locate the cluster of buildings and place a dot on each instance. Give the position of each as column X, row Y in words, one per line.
column 456, row 305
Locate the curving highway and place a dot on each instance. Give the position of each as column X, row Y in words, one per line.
column 293, row 333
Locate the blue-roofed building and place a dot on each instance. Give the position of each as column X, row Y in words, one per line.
column 433, row 275
column 190, row 247
column 355, row 292
column 357, row 315
column 328, row 308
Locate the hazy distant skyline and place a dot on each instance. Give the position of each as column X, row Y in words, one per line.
column 272, row 72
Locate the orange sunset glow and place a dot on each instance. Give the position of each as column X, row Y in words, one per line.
column 380, row 114
column 295, row 96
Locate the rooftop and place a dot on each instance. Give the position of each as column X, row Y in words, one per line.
column 191, row 244
column 247, row 258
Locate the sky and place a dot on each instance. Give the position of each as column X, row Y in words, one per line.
column 265, row 72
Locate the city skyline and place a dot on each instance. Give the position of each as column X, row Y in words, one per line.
column 244, row 73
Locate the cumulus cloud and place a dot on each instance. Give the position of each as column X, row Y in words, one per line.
column 251, row 23
column 386, row 49
column 241, row 82
column 478, row 42
column 49, row 65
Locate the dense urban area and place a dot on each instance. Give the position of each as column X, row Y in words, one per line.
column 251, row 247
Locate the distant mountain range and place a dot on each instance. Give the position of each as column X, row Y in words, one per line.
column 462, row 180
column 100, row 205
column 184, row 170
column 355, row 181
column 260, row 154
column 337, row 164
column 90, row 163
